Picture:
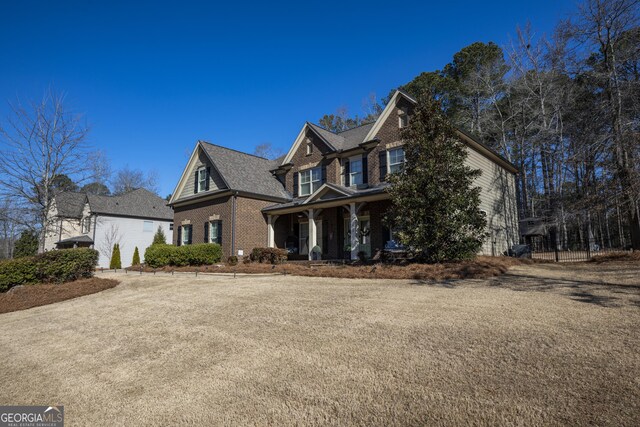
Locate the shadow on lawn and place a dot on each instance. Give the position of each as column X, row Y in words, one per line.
column 591, row 292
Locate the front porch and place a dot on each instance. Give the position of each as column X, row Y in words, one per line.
column 329, row 229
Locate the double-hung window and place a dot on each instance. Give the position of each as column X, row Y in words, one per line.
column 310, row 181
column 396, row 160
column 202, row 179
column 355, row 170
column 215, row 232
column 86, row 224
column 186, row 234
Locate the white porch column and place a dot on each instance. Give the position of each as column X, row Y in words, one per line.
column 353, row 222
column 312, row 233
column 271, row 240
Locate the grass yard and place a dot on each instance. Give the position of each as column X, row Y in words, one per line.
column 542, row 344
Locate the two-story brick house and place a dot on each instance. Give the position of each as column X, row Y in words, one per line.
column 327, row 196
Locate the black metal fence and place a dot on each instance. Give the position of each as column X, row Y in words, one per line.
column 572, row 246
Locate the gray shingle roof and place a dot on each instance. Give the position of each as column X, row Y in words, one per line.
column 70, row 205
column 139, row 203
column 245, row 172
column 344, row 140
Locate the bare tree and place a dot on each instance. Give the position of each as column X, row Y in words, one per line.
column 128, row 179
column 268, row 151
column 111, row 237
column 41, row 141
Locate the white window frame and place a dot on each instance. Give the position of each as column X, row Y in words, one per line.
column 202, row 182
column 403, row 119
column 147, row 226
column 86, row 225
column 185, row 238
column 309, row 147
column 211, row 223
column 352, row 182
column 389, row 165
column 314, row 184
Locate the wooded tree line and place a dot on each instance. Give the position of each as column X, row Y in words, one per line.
column 565, row 109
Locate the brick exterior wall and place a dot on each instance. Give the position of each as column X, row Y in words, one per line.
column 302, row 161
column 251, row 224
column 388, row 134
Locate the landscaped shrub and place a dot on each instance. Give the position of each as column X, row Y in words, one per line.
column 26, row 245
column 18, row 271
column 54, row 266
column 116, row 262
column 269, row 255
column 200, row 254
column 66, row 264
column 136, row 257
column 232, row 260
column 159, row 238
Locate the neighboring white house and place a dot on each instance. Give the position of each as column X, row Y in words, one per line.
column 87, row 220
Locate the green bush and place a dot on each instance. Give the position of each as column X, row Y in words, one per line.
column 26, row 245
column 269, row 255
column 66, row 264
column 54, row 266
column 232, row 260
column 136, row 257
column 200, row 254
column 159, row 238
column 18, row 271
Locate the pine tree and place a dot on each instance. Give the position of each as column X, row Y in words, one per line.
column 136, row 257
column 435, row 206
column 26, row 245
column 115, row 257
column 159, row 238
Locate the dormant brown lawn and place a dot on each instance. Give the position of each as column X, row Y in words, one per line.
column 543, row 344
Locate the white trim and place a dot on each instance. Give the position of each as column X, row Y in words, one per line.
column 320, row 191
column 182, row 181
column 391, row 106
column 357, row 157
column 311, row 181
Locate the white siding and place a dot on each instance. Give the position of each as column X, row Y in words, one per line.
column 64, row 228
column 129, row 232
column 498, row 200
column 215, row 181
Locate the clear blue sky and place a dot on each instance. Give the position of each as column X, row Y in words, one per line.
column 153, row 78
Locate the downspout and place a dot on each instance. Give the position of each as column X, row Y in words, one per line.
column 233, row 223
column 95, row 224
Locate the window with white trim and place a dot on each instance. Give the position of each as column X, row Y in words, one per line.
column 355, row 170
column 86, row 225
column 186, row 234
column 309, row 181
column 403, row 119
column 147, row 226
column 215, row 232
column 202, row 179
column 396, row 159
column 309, row 147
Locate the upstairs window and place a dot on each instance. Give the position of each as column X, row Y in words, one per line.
column 202, row 179
column 147, row 226
column 309, row 147
column 396, row 160
column 86, row 225
column 355, row 170
column 403, row 119
column 309, row 181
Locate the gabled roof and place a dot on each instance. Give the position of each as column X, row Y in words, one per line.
column 138, row 203
column 70, row 204
column 245, row 172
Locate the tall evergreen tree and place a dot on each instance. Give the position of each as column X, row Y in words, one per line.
column 435, row 205
column 26, row 245
column 159, row 238
column 115, row 257
column 136, row 257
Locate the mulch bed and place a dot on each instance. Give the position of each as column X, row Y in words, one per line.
column 617, row 257
column 27, row 296
column 480, row 268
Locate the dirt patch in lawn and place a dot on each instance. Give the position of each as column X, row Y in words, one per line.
column 23, row 297
column 480, row 268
